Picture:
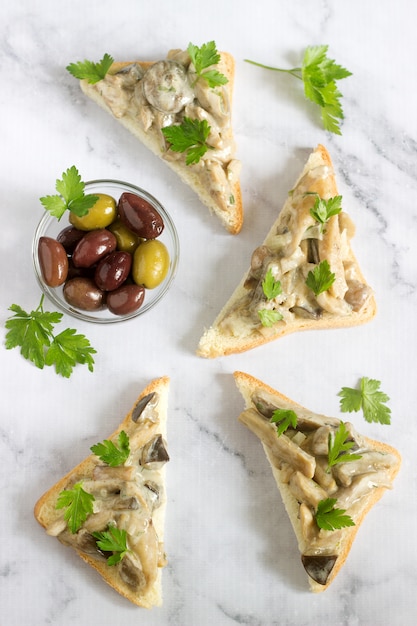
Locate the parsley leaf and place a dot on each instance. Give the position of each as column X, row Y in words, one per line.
column 269, row 317
column 321, row 278
column 319, row 75
column 323, row 210
column 90, row 71
column 270, row 286
column 33, row 334
column 190, row 137
column 339, row 447
column 368, row 398
column 113, row 540
column 78, row 504
column 284, row 418
column 204, row 57
column 71, row 198
column 110, row 453
column 330, row 518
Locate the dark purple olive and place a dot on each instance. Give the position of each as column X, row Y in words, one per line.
column 113, row 270
column 93, row 246
column 140, row 216
column 69, row 237
column 53, row 261
column 84, row 294
column 126, row 299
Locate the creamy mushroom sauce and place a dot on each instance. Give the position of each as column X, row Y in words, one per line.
column 297, row 246
column 128, row 497
column 301, row 456
column 163, row 95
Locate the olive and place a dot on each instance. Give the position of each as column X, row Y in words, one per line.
column 69, row 237
column 150, row 263
column 127, row 240
column 93, row 246
column 53, row 261
column 83, row 293
column 126, row 299
column 140, row 216
column 100, row 215
column 113, row 270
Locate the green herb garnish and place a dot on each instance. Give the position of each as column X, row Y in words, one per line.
column 284, row 418
column 319, row 75
column 71, row 196
column 321, row 278
column 323, row 210
column 330, row 518
column 368, row 398
column 190, row 137
column 270, row 286
column 205, row 57
column 33, row 333
column 111, row 454
column 90, row 71
column 269, row 317
column 339, row 446
column 113, row 540
column 78, row 504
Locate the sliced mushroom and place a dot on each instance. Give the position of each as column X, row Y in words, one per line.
column 166, row 86
column 282, row 448
column 362, row 486
column 307, row 421
column 369, row 463
column 306, row 490
column 318, row 441
column 324, row 478
column 118, row 473
column 319, row 566
column 146, row 548
column 149, row 401
column 83, row 541
column 306, row 312
column 357, row 294
column 153, row 494
column 308, row 523
column 131, row 573
column 154, row 453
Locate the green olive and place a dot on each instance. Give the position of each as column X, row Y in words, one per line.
column 150, row 263
column 127, row 241
column 101, row 214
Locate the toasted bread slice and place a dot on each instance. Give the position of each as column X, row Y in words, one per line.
column 295, row 247
column 299, row 462
column 130, row 496
column 148, row 96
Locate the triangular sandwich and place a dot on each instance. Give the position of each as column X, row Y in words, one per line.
column 111, row 507
column 150, row 98
column 326, row 496
column 303, row 277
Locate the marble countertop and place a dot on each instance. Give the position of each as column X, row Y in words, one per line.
column 232, row 555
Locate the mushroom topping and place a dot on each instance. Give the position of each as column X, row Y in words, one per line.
column 306, row 490
column 149, row 401
column 166, row 86
column 131, row 573
column 319, row 566
column 154, row 453
column 120, row 472
column 368, row 463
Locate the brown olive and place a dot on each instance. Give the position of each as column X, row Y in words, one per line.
column 83, row 293
column 93, row 246
column 53, row 261
column 112, row 270
column 140, row 216
column 69, row 237
column 126, row 299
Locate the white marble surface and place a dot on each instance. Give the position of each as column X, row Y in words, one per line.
column 232, row 555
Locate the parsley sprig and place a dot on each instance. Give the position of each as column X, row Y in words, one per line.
column 90, row 71
column 111, row 453
column 112, row 540
column 78, row 504
column 284, row 418
column 319, row 75
column 321, row 278
column 367, row 397
column 190, row 137
column 70, row 196
column 33, row 333
column 328, row 517
column 271, row 289
column 323, row 209
column 203, row 58
column 339, row 446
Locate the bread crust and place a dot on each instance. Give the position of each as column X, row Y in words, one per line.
column 232, row 219
column 247, row 385
column 46, row 513
column 215, row 342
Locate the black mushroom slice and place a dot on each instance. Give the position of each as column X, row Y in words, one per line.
column 131, row 574
column 319, row 566
column 151, row 399
column 154, row 453
column 307, row 313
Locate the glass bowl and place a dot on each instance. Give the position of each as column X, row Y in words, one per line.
column 50, row 226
